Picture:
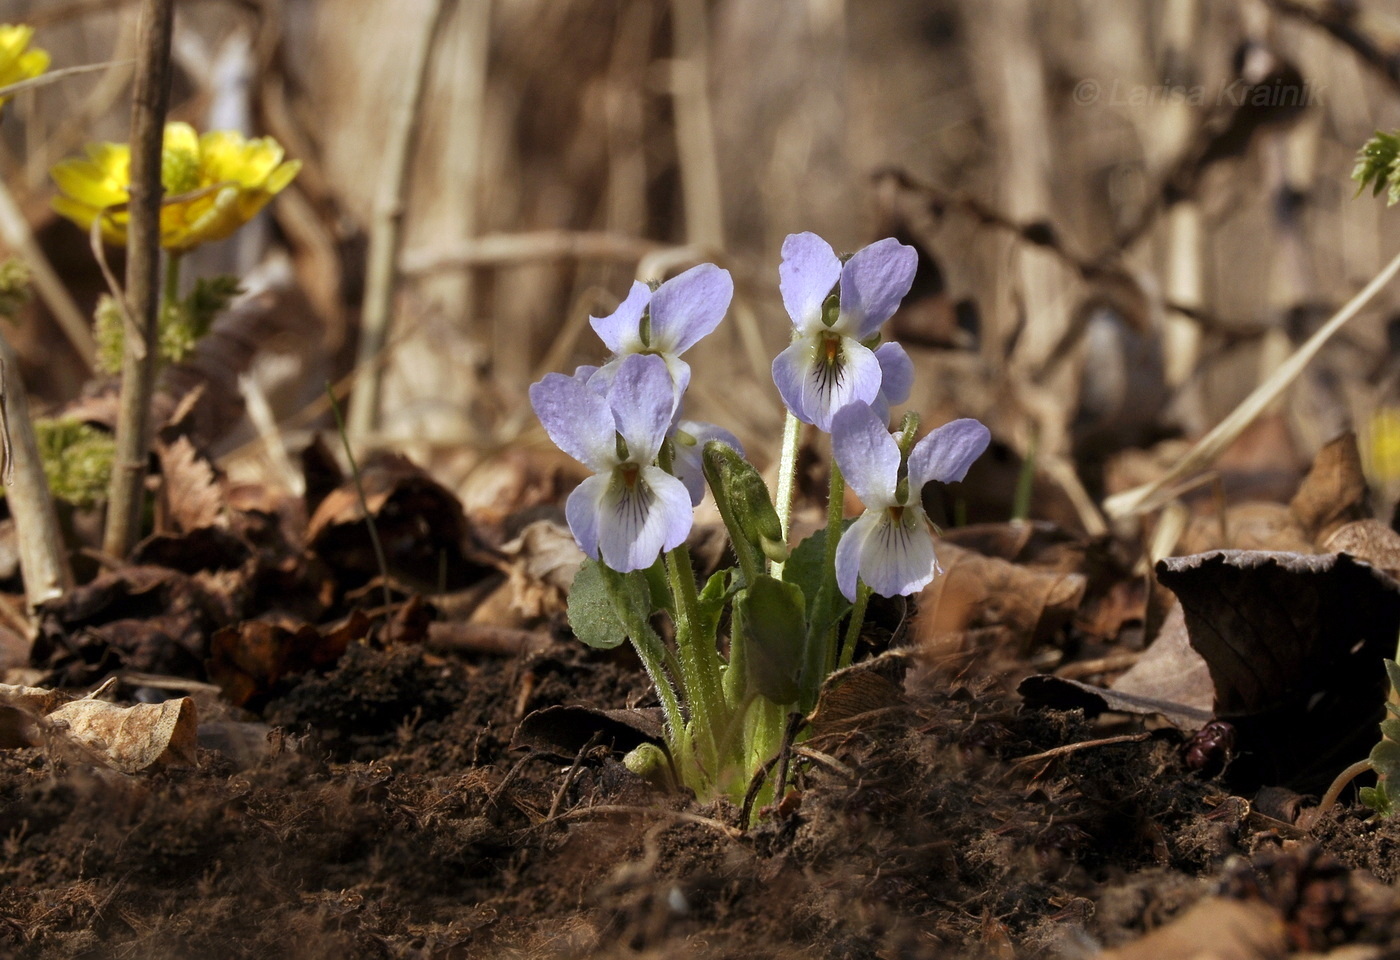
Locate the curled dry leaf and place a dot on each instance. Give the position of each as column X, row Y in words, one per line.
column 976, row 592
column 1294, row 645
column 1334, row 492
column 540, row 566
column 193, row 494
column 860, row 690
column 562, row 731
column 1369, row 540
column 249, row 659
column 427, row 541
column 134, row 739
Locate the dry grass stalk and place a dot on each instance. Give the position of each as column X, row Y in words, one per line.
column 387, row 230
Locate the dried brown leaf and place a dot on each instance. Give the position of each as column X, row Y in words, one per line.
column 1334, row 491
column 194, row 495
column 134, row 739
column 976, row 592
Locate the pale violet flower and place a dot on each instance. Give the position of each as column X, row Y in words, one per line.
column 890, row 547
column 827, row 366
column 689, row 439
column 631, row 510
column 666, row 321
column 896, row 378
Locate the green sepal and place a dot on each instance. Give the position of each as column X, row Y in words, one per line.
column 774, row 625
column 744, row 499
column 593, row 600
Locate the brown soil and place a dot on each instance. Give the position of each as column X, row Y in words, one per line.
column 385, row 814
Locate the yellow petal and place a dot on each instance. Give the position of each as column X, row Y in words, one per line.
column 179, row 160
column 88, row 183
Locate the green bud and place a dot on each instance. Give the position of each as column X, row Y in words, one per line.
column 831, row 308
column 775, row 550
column 908, row 428
column 743, row 492
column 649, row 762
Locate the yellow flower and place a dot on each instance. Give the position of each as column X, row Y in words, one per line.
column 17, row 62
column 214, row 183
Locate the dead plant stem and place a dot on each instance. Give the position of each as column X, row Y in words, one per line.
column 151, row 97
column 42, row 556
column 386, row 231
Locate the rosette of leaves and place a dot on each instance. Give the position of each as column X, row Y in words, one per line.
column 1378, row 167
column 181, row 325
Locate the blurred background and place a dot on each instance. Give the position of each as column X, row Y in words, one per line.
column 1128, row 213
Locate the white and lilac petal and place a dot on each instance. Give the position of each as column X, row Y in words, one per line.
column 855, row 378
column 808, row 273
column 643, row 399
column 577, row 418
column 896, row 378
column 896, row 556
column 583, row 508
column 867, row 455
column 637, row 523
column 689, row 464
column 946, row 453
column 873, row 282
column 848, row 552
column 688, row 307
column 621, row 329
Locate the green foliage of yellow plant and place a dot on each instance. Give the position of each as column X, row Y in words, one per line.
column 214, row 183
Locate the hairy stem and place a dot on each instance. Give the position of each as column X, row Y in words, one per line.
column 787, row 480
column 848, row 648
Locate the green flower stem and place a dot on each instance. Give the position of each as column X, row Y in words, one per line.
column 787, row 480
column 170, row 295
column 848, row 648
column 822, row 631
column 699, row 659
column 652, row 653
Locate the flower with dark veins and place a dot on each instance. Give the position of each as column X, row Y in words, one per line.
column 666, row 321
column 890, row 547
column 836, row 308
column 631, row 510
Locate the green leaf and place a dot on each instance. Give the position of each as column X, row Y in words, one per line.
column 774, row 625
column 1392, row 671
column 807, row 568
column 1378, row 167
column 1378, row 799
column 1390, row 728
column 1385, row 758
column 593, row 613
